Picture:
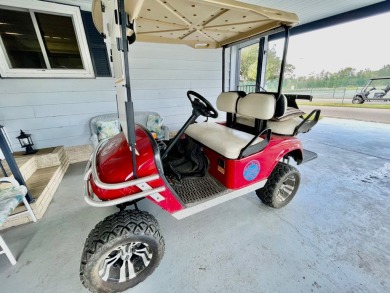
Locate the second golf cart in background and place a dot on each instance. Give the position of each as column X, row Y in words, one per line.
column 376, row 89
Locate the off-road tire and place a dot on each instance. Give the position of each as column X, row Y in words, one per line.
column 357, row 100
column 108, row 236
column 269, row 193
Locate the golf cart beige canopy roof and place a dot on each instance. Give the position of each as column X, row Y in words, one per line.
column 197, row 23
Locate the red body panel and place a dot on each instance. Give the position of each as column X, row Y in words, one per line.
column 114, row 165
column 235, row 174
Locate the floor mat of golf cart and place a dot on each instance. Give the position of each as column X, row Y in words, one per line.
column 198, row 189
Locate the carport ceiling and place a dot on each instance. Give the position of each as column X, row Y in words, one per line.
column 307, row 10
column 312, row 10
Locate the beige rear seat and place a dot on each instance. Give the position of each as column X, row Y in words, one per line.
column 288, row 119
column 284, row 124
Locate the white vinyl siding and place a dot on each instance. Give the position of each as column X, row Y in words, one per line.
column 54, row 111
column 161, row 75
column 57, row 111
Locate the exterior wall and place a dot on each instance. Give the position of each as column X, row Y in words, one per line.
column 161, row 75
column 57, row 111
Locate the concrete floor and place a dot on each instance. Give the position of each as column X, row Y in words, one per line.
column 333, row 237
column 359, row 114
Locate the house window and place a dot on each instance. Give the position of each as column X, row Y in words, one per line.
column 41, row 39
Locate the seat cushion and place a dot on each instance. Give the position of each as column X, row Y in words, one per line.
column 154, row 124
column 10, row 198
column 224, row 140
column 286, row 127
column 288, row 114
column 107, row 129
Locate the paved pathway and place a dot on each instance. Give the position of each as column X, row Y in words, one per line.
column 362, row 114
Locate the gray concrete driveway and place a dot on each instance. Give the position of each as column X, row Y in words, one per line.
column 333, row 237
column 362, row 114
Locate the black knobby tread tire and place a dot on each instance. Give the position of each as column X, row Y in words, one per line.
column 358, row 99
column 267, row 193
column 126, row 222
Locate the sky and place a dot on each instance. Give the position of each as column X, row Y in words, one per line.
column 359, row 44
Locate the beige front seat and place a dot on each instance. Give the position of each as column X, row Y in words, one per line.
column 227, row 141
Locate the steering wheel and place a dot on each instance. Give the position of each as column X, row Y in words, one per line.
column 201, row 105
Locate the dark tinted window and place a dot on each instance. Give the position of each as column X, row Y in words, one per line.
column 20, row 40
column 60, row 41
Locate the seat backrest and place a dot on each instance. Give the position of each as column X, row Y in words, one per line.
column 257, row 105
column 227, row 102
column 281, row 106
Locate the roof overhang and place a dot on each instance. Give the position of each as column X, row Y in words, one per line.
column 197, row 23
column 352, row 15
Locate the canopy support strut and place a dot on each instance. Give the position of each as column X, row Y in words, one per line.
column 261, row 64
column 129, row 103
column 283, row 64
column 223, row 68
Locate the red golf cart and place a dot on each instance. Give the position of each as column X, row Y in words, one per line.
column 206, row 163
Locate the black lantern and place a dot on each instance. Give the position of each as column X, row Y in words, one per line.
column 26, row 142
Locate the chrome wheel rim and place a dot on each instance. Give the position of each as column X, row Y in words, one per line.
column 286, row 189
column 125, row 262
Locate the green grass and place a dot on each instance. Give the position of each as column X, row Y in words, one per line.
column 348, row 105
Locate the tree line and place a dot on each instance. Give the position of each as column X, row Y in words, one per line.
column 346, row 77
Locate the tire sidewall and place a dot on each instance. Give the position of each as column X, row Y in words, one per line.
column 277, row 204
column 91, row 271
column 357, row 100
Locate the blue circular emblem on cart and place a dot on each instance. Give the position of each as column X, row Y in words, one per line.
column 251, row 170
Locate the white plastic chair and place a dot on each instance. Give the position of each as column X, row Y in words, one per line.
column 10, row 198
column 140, row 117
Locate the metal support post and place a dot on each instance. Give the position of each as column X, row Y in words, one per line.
column 223, row 68
column 283, row 63
column 261, row 64
column 129, row 104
